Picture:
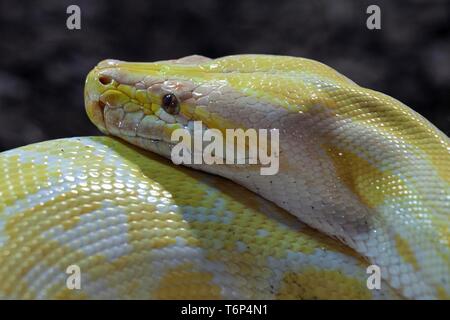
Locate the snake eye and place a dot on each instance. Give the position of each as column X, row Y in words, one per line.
column 170, row 104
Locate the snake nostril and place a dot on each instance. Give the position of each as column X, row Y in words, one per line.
column 104, row 80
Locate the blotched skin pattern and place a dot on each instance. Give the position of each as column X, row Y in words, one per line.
column 141, row 227
column 354, row 164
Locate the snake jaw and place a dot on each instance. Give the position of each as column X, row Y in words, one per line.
column 95, row 111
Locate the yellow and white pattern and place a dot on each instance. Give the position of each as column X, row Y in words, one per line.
column 355, row 164
column 139, row 227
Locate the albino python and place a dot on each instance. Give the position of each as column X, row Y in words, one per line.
column 363, row 180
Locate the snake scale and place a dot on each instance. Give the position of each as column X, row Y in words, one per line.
column 363, row 180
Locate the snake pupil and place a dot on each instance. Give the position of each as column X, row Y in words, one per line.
column 170, row 104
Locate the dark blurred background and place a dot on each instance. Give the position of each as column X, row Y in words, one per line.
column 43, row 64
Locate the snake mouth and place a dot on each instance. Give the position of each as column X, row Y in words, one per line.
column 96, row 113
column 95, row 108
column 133, row 127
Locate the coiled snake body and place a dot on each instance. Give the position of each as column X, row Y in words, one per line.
column 363, row 180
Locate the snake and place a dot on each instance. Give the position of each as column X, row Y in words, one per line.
column 363, row 182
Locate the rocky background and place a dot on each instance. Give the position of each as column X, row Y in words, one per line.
column 43, row 64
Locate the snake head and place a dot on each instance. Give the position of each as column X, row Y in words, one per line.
column 144, row 102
